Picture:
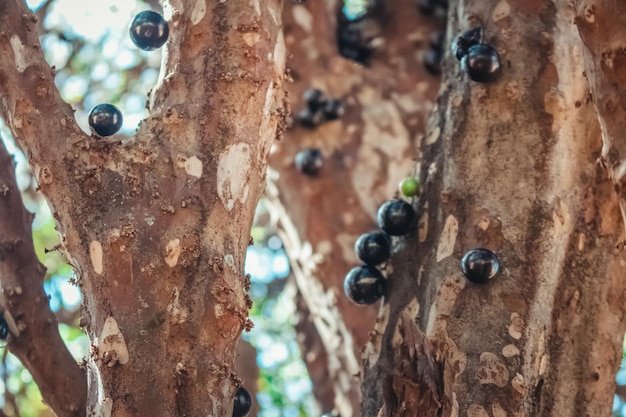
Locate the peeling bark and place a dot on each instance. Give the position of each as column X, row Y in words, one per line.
column 511, row 167
column 36, row 342
column 157, row 229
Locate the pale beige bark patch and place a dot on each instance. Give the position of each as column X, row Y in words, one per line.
column 96, row 254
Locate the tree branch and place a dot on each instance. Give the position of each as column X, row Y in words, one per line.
column 39, row 346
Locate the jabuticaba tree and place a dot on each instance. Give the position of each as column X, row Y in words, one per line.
column 366, row 151
column 511, row 165
column 521, row 156
column 157, row 228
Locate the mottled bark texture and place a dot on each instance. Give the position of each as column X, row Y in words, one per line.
column 157, row 228
column 367, row 152
column 34, row 337
column 510, row 166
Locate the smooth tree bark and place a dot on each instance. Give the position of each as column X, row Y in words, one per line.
column 157, row 228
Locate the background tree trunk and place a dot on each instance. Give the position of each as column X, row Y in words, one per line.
column 367, row 152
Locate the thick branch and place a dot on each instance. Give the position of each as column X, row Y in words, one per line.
column 157, row 229
column 39, row 346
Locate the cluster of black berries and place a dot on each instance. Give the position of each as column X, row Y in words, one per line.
column 148, row 31
column 243, row 403
column 356, row 37
column 433, row 57
column 365, row 284
column 319, row 109
column 479, row 60
column 309, row 161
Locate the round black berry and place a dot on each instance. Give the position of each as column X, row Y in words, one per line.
column 373, row 248
column 243, row 402
column 333, row 109
column 481, row 63
column 364, row 284
column 309, row 118
column 314, row 98
column 396, row 217
column 149, row 31
column 309, row 161
column 4, row 329
column 480, row 265
column 105, row 119
column 351, row 42
column 465, row 40
column 432, row 61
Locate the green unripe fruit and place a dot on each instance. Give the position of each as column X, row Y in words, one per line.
column 410, row 187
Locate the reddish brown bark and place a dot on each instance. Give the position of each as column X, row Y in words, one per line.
column 157, row 229
column 511, row 167
column 367, row 152
column 37, row 343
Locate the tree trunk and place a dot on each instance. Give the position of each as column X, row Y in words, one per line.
column 157, row 229
column 512, row 166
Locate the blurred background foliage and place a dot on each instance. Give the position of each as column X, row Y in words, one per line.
column 87, row 42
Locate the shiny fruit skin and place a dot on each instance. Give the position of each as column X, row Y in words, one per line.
column 314, row 99
column 149, row 31
column 364, row 284
column 373, row 248
column 465, row 40
column 396, row 217
column 309, row 161
column 242, row 403
column 480, row 265
column 481, row 63
column 410, row 187
column 105, row 119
